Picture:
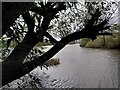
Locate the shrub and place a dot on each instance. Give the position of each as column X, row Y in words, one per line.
column 110, row 42
column 84, row 41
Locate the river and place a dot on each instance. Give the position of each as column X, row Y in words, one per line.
column 82, row 68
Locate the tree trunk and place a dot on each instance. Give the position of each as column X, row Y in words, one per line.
column 12, row 67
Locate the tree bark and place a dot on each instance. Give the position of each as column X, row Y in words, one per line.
column 12, row 67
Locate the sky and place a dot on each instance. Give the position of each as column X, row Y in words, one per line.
column 116, row 16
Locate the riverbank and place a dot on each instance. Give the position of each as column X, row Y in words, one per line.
column 109, row 42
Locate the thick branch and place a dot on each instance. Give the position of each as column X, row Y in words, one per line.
column 44, row 12
column 91, row 32
column 57, row 47
column 46, row 21
column 29, row 21
column 48, row 14
column 52, row 40
column 44, row 26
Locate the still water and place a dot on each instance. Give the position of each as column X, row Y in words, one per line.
column 80, row 68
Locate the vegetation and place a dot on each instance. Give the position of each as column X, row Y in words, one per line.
column 110, row 42
column 106, row 41
column 84, row 41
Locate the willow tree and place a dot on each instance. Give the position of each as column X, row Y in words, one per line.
column 35, row 23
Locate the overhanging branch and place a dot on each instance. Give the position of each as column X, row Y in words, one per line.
column 64, row 41
column 52, row 40
column 90, row 31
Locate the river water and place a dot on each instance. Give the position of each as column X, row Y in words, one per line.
column 81, row 68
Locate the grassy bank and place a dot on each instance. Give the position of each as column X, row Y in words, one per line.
column 112, row 41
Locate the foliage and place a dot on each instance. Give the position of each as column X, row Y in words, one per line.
column 84, row 41
column 97, row 43
column 110, row 42
column 115, row 27
column 16, row 32
column 34, row 53
column 106, row 7
column 68, row 21
column 4, row 50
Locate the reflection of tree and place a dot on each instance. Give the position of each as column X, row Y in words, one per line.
column 37, row 18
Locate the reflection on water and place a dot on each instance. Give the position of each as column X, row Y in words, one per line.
column 81, row 68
